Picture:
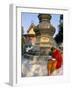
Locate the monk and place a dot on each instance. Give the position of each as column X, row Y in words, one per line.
column 57, row 55
column 55, row 61
column 51, row 66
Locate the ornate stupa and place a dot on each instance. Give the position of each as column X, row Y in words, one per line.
column 44, row 33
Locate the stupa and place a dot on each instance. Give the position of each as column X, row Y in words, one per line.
column 44, row 34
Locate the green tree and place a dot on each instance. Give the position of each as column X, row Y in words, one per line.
column 59, row 36
column 22, row 40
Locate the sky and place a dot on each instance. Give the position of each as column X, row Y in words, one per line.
column 28, row 18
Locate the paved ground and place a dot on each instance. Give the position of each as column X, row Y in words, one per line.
column 36, row 68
